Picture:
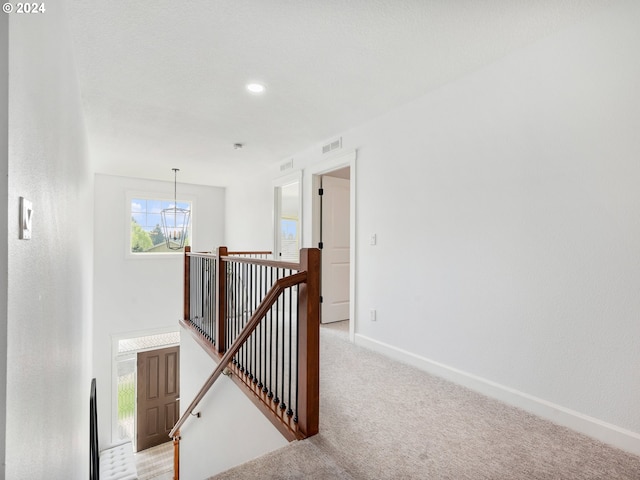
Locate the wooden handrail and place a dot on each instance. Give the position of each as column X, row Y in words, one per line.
column 258, row 252
column 261, row 261
column 236, row 257
column 189, row 253
column 268, row 302
column 200, row 254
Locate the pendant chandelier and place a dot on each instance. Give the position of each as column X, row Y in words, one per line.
column 175, row 221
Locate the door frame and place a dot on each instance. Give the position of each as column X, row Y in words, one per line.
column 115, row 338
column 312, row 184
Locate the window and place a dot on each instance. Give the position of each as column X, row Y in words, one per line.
column 146, row 234
column 287, row 218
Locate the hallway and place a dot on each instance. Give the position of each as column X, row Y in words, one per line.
column 380, row 419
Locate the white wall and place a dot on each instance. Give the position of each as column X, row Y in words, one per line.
column 249, row 215
column 231, row 429
column 4, row 192
column 50, row 276
column 143, row 294
column 513, row 195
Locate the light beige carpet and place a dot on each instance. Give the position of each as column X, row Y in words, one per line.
column 380, row 419
column 155, row 463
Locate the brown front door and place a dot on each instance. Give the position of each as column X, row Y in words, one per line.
column 158, row 393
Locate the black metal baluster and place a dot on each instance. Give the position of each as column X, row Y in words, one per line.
column 245, row 319
column 254, row 305
column 207, row 272
column 237, row 312
column 230, row 272
column 238, row 273
column 241, row 310
column 247, row 366
column 199, row 290
column 258, row 379
column 267, row 353
column 213, row 313
column 295, row 418
column 233, row 306
column 205, row 297
column 201, row 296
column 276, row 399
column 263, row 327
column 243, row 313
column 214, row 296
column 238, row 308
column 195, row 305
column 199, row 283
column 253, row 335
column 263, row 324
column 211, row 301
column 256, row 332
column 290, row 411
column 192, row 288
column 199, row 287
column 283, row 405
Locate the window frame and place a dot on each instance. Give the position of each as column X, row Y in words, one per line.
column 161, row 196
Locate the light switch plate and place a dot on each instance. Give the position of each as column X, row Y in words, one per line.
column 26, row 214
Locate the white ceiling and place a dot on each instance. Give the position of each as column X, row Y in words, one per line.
column 163, row 81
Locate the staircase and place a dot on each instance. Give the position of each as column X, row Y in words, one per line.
column 258, row 319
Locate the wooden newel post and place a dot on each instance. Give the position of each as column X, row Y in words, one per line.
column 176, row 456
column 221, row 301
column 186, row 311
column 309, row 343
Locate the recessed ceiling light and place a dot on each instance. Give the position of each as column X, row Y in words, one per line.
column 255, row 88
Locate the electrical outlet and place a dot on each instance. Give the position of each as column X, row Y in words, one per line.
column 373, row 239
column 372, row 314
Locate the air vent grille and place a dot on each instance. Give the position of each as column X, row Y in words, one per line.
column 286, row 165
column 334, row 145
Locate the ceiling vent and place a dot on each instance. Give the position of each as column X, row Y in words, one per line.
column 330, row 147
column 286, row 165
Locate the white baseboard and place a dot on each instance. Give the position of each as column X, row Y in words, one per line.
column 593, row 427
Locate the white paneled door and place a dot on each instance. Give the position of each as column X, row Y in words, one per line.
column 335, row 250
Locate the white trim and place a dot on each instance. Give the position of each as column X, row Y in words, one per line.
column 593, row 427
column 344, row 159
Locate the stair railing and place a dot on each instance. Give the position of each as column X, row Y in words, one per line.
column 228, row 312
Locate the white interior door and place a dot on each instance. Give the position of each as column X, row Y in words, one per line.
column 335, row 251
